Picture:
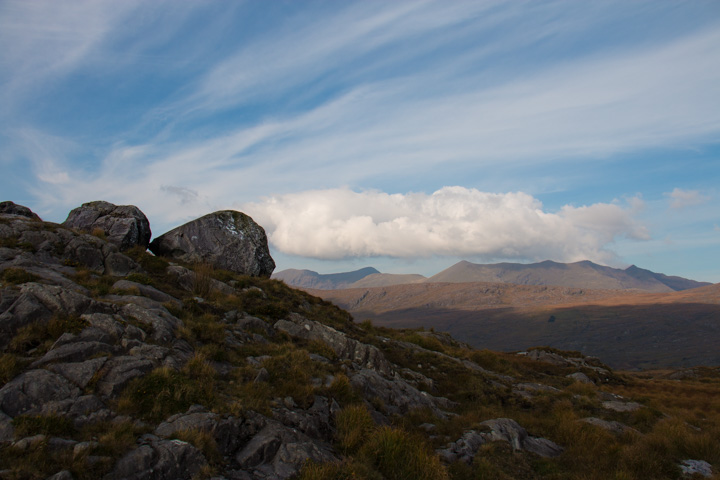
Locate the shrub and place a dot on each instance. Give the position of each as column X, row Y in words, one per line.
column 9, row 367
column 342, row 390
column 354, row 425
column 149, row 262
column 17, row 276
column 164, row 391
column 398, row 455
column 139, row 278
column 28, row 425
column 203, row 280
column 203, row 441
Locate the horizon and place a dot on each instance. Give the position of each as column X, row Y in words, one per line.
column 403, row 135
column 486, row 264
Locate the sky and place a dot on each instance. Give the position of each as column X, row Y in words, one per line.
column 404, row 135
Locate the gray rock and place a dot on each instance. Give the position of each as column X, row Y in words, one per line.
column 204, row 421
column 10, row 208
column 28, row 442
column 227, row 239
column 146, row 291
column 508, row 430
column 500, row 430
column 62, row 475
column 7, row 431
column 580, row 377
column 37, row 302
column 398, row 396
column 159, row 459
column 75, row 352
column 120, row 371
column 345, row 348
column 79, row 373
column 464, row 448
column 617, row 406
column 31, row 390
column 125, row 225
column 279, row 452
column 696, row 467
column 314, row 422
column 157, row 317
column 611, row 426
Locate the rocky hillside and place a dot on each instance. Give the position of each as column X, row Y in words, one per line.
column 118, row 364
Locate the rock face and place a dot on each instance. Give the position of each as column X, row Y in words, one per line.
column 507, row 430
column 227, row 239
column 124, row 225
column 10, row 208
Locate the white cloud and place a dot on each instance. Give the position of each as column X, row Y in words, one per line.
column 453, row 221
column 680, row 198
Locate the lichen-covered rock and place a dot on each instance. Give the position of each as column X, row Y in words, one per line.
column 123, row 225
column 366, row 356
column 611, row 426
column 691, row 468
column 157, row 458
column 500, row 430
column 227, row 239
column 30, row 391
column 279, row 452
column 11, row 208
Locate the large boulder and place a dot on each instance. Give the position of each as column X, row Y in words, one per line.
column 124, row 225
column 227, row 239
column 10, row 208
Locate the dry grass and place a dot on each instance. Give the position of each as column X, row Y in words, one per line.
column 354, row 426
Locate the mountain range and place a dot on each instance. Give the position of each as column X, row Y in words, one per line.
column 584, row 274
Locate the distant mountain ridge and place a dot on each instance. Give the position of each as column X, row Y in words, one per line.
column 584, row 274
column 332, row 281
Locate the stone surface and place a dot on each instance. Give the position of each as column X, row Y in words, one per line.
column 500, row 430
column 158, row 458
column 11, row 208
column 611, row 426
column 367, row 356
column 580, row 377
column 696, row 467
column 31, row 390
column 124, row 225
column 278, row 452
column 227, row 240
column 618, row 406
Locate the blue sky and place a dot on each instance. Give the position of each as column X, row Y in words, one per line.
column 402, row 135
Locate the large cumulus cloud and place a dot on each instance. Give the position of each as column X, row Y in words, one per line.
column 454, row 221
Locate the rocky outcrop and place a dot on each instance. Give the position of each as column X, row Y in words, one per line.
column 159, row 458
column 498, row 430
column 10, row 208
column 366, row 356
column 123, row 225
column 227, row 240
column 693, row 468
column 46, row 250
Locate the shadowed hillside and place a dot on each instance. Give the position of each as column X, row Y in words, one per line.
column 626, row 329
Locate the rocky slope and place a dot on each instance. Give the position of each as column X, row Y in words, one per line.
column 119, row 364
